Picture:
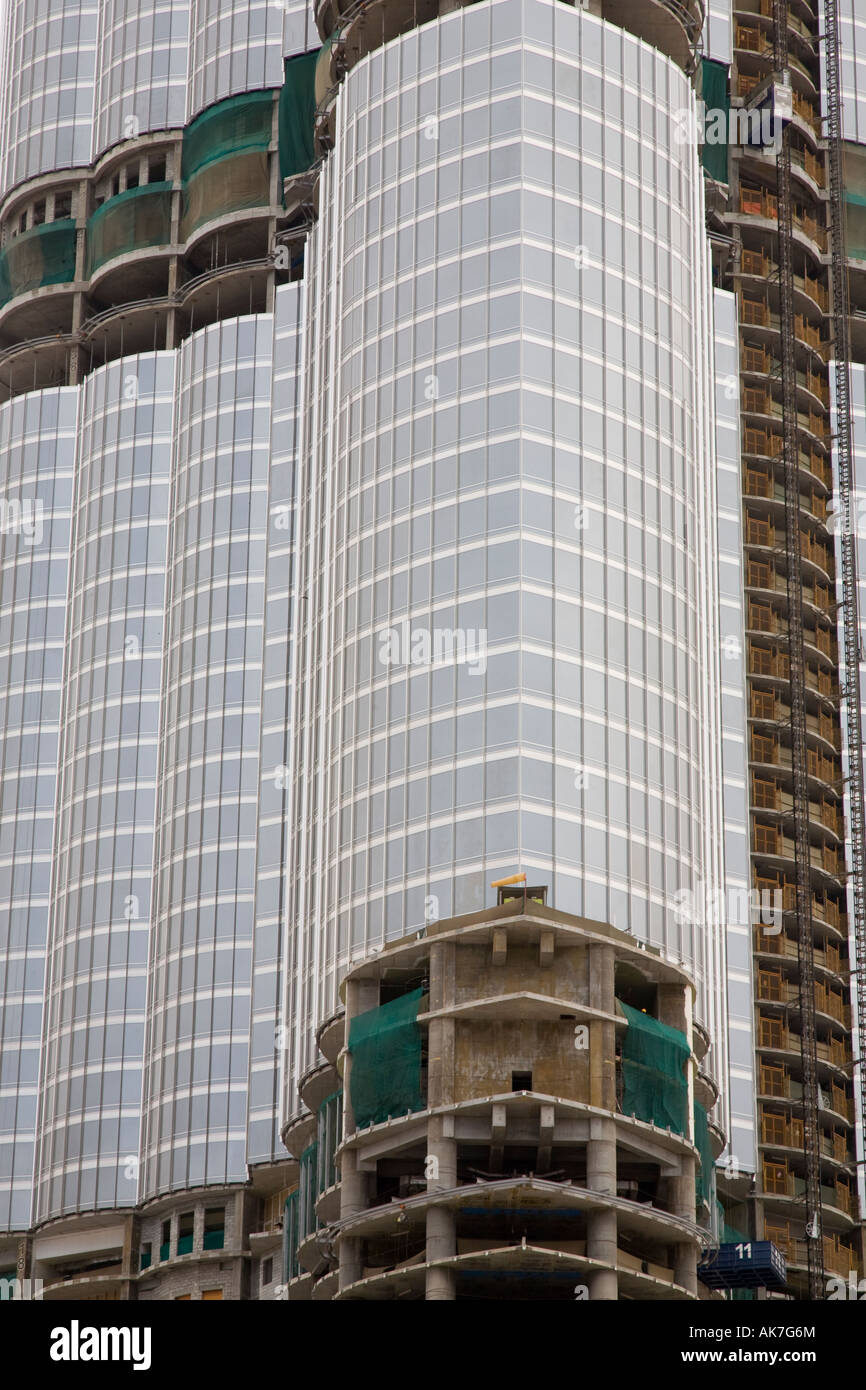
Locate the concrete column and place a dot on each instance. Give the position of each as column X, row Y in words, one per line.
column 441, row 1034
column 674, row 1006
column 678, row 1194
column 353, row 1199
column 441, row 1222
column 675, row 1009
column 441, row 1232
column 440, row 1062
column 127, row 1258
column 602, row 1036
column 360, row 996
column 601, row 1227
column 441, row 1243
column 241, row 1222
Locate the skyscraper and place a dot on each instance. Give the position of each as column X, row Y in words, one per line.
column 787, row 216
column 380, row 388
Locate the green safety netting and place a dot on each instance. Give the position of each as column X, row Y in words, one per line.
column 290, row 1236
column 227, row 185
column 653, row 1071
column 296, row 113
column 385, row 1047
column 324, row 81
column 224, row 164
column 128, row 221
column 715, row 96
column 705, row 1174
column 307, row 1191
column 855, row 225
column 43, row 256
column 732, row 1236
column 232, row 126
column 329, row 1127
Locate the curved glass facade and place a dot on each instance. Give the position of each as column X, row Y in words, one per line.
column 269, row 1033
column 83, row 75
column 507, row 517
column 143, row 69
column 236, row 46
column 49, row 81
column 201, row 956
column 852, row 45
column 96, row 976
column 37, row 445
column 346, row 607
column 138, row 514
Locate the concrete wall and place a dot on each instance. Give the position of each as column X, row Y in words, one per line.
column 485, row 1055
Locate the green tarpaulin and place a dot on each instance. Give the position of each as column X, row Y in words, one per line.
column 296, row 114
column 237, row 181
column 385, row 1047
column 234, row 126
column 855, row 225
column 653, row 1071
column 224, row 164
column 715, row 97
column 129, row 221
column 43, row 256
column 732, row 1236
column 329, row 1129
column 705, row 1175
column 290, row 1236
column 307, row 1191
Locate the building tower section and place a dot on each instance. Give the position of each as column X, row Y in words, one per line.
column 780, row 261
column 503, row 1111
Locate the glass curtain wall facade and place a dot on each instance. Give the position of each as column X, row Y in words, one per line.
column 146, row 537
column 38, row 442
column 507, row 446
column 96, row 976
column 83, row 74
column 153, row 501
column 409, row 567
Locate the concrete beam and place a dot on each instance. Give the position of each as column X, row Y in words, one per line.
column 498, row 1126
column 546, row 1128
column 500, row 945
column 546, row 949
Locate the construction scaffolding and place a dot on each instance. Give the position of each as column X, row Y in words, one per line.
column 797, row 674
column 847, row 538
column 789, row 262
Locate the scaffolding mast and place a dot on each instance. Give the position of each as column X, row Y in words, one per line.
column 847, row 540
column 797, row 677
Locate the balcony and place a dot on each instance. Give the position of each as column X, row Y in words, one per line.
column 760, row 482
column 773, row 988
column 759, row 264
column 768, row 795
column 838, row 1257
column 823, row 911
column 758, row 203
column 777, row 1082
column 750, row 40
column 774, row 1035
column 808, row 114
column 778, row 1131
column 770, row 841
column 811, row 165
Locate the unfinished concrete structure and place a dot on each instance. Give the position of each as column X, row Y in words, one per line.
column 782, row 205
column 518, row 1169
column 452, row 294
